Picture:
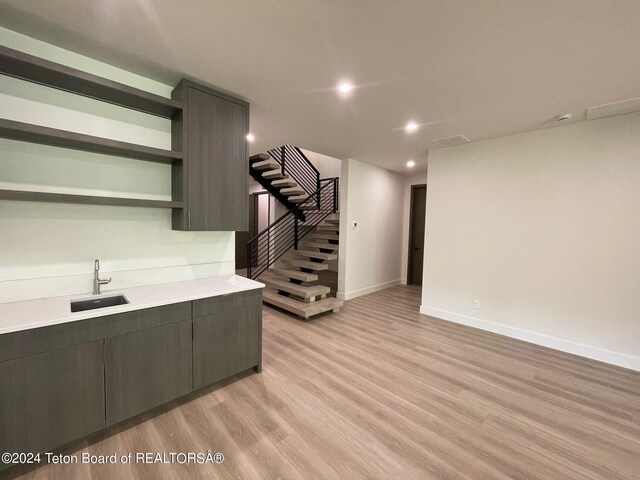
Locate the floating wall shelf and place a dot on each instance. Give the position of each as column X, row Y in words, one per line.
column 38, row 70
column 27, row 132
column 28, row 196
column 44, row 72
column 202, row 198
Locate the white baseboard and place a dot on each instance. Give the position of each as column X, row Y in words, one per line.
column 367, row 290
column 595, row 353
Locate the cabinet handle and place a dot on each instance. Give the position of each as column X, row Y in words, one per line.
column 189, row 218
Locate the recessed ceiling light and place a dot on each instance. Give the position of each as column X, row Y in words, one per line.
column 411, row 164
column 564, row 117
column 411, row 127
column 250, row 137
column 345, row 87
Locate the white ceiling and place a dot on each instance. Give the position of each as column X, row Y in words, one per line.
column 481, row 68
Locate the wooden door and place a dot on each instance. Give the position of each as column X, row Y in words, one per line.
column 417, row 233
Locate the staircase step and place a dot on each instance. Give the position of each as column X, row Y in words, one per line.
column 333, row 221
column 312, row 254
column 329, row 246
column 325, row 236
column 309, row 206
column 259, row 157
column 308, row 293
column 298, row 198
column 297, row 274
column 274, row 174
column 301, row 309
column 305, row 264
column 328, row 228
column 265, row 165
column 292, row 191
column 285, row 182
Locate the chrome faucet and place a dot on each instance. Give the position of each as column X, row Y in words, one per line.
column 96, row 278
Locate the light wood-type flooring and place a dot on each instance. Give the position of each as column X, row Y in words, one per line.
column 381, row 392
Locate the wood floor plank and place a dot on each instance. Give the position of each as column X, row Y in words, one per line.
column 379, row 391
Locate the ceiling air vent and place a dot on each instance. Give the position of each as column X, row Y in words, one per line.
column 451, row 141
column 615, row 108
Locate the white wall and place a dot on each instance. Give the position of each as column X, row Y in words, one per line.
column 543, row 228
column 370, row 254
column 328, row 167
column 48, row 249
column 418, row 178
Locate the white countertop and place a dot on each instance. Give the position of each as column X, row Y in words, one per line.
column 17, row 316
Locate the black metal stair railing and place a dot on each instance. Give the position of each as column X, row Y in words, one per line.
column 294, row 163
column 286, row 232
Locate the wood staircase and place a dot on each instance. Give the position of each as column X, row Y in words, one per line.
column 282, row 186
column 293, row 285
column 293, row 282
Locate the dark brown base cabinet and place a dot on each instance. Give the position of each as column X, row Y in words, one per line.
column 49, row 399
column 61, row 383
column 225, row 343
column 146, row 369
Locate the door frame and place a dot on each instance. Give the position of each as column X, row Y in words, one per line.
column 252, row 224
column 413, row 189
column 255, row 196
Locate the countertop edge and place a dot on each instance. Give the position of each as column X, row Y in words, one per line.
column 130, row 307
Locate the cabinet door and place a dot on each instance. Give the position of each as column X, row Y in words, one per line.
column 52, row 398
column 226, row 343
column 146, row 369
column 217, row 162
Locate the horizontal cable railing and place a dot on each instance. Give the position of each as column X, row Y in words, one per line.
column 285, row 233
column 294, row 163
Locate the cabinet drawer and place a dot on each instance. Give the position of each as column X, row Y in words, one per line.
column 223, row 303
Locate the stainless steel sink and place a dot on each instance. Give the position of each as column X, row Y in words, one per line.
column 93, row 303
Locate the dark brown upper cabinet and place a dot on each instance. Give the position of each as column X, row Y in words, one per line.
column 212, row 180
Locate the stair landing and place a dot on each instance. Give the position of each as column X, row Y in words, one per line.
column 308, row 293
column 301, row 309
